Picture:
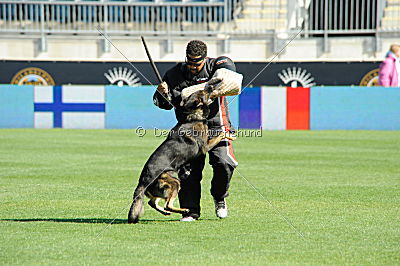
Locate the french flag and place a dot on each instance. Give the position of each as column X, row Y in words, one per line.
column 275, row 108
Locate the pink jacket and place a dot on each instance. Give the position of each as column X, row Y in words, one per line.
column 388, row 76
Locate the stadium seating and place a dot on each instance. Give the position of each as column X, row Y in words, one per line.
column 130, row 16
column 259, row 15
column 391, row 15
column 126, row 17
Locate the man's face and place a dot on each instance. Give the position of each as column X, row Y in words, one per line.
column 194, row 65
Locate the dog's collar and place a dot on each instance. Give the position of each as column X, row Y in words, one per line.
column 193, row 116
column 195, row 120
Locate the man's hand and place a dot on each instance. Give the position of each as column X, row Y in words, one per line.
column 163, row 88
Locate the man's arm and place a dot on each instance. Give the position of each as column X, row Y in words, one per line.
column 160, row 97
column 224, row 62
column 225, row 81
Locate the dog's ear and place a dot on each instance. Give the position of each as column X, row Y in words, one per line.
column 205, row 97
column 183, row 102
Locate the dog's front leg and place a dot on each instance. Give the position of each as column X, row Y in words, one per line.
column 215, row 140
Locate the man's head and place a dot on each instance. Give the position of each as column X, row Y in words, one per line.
column 196, row 52
column 395, row 48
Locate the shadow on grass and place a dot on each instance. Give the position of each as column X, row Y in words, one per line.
column 86, row 220
column 92, row 220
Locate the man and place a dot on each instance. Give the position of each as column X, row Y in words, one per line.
column 389, row 73
column 197, row 69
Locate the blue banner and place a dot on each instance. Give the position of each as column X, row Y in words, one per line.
column 16, row 106
column 372, row 108
column 132, row 107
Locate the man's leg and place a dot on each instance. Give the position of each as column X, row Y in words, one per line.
column 223, row 163
column 222, row 174
column 190, row 193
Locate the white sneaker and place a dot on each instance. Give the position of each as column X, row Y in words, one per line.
column 188, row 219
column 221, row 209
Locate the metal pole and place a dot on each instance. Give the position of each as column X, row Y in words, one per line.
column 43, row 44
column 306, row 19
column 106, row 44
column 377, row 17
column 225, row 16
column 226, row 46
column 169, row 48
column 326, row 26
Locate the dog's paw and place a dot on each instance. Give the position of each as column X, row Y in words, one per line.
column 165, row 212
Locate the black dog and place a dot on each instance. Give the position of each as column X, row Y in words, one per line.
column 184, row 143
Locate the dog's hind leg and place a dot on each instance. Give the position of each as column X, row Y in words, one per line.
column 172, row 193
column 153, row 202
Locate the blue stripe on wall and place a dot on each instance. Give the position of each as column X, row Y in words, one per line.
column 250, row 108
column 16, row 106
column 131, row 107
column 233, row 106
column 373, row 108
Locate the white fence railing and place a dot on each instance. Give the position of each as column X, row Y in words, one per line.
column 345, row 16
column 125, row 18
column 207, row 17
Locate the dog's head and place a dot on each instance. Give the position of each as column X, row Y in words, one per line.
column 195, row 100
column 196, row 105
column 201, row 96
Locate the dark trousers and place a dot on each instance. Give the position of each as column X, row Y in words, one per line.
column 223, row 162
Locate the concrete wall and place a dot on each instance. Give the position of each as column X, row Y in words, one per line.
column 89, row 49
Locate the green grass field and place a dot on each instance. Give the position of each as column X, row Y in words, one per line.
column 319, row 197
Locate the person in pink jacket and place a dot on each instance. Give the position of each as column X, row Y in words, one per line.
column 389, row 72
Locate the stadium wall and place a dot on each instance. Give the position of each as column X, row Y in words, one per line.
column 271, row 108
column 241, row 48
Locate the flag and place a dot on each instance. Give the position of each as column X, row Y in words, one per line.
column 69, row 107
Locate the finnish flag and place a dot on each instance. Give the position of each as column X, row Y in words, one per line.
column 80, row 107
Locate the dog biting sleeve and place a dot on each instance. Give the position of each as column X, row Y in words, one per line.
column 225, row 82
column 186, row 92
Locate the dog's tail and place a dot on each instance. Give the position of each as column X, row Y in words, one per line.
column 137, row 208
